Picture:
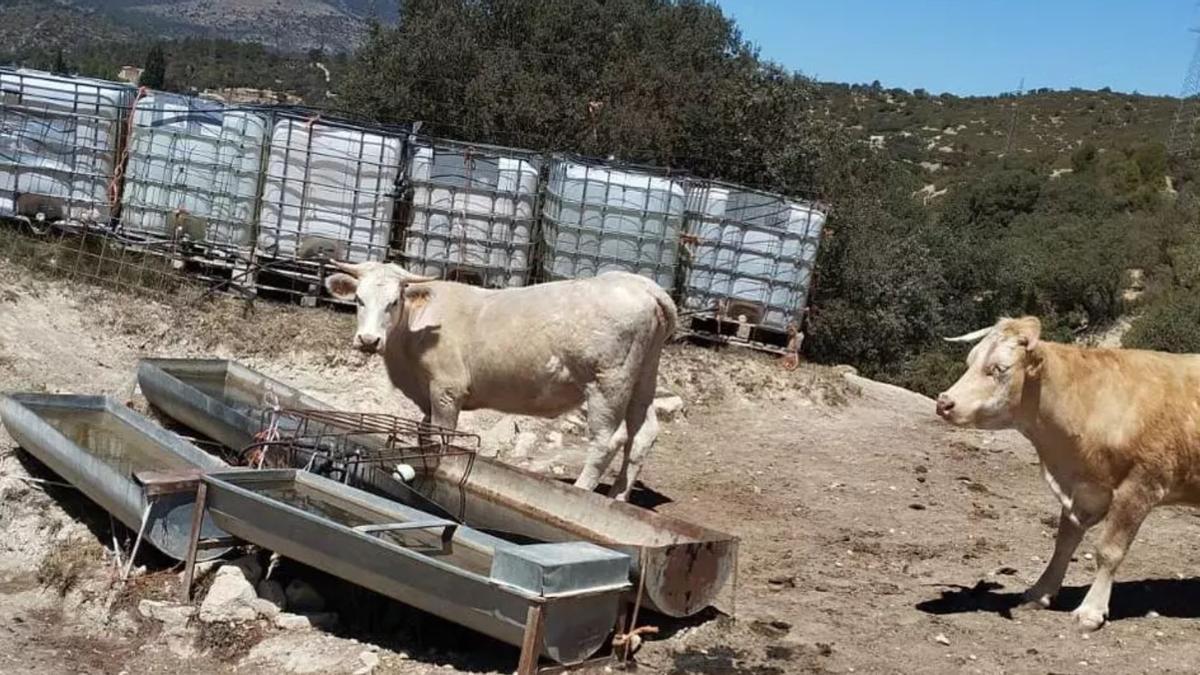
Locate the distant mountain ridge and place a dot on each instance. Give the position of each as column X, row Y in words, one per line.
column 287, row 25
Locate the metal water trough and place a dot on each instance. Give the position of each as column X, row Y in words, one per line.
column 686, row 565
column 97, row 445
column 467, row 577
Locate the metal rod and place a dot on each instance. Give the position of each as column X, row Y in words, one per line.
column 531, row 644
column 112, row 527
column 137, row 543
column 189, row 568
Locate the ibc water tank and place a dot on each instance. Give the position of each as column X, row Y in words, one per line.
column 599, row 217
column 198, row 157
column 751, row 254
column 472, row 212
column 59, row 137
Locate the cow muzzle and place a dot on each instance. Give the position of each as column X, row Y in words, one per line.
column 368, row 344
column 945, row 405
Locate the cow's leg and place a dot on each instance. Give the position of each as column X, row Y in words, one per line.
column 642, row 424
column 444, row 407
column 1131, row 503
column 639, row 447
column 1070, row 534
column 606, row 424
column 423, row 440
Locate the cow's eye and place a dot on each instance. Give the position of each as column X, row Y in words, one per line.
column 391, row 305
column 998, row 369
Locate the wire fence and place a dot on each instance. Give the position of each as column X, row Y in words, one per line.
column 97, row 257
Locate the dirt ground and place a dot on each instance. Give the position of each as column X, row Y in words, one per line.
column 874, row 538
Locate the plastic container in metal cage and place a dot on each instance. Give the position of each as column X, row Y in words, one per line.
column 472, row 212
column 751, row 254
column 59, row 144
column 193, row 170
column 598, row 218
column 330, row 187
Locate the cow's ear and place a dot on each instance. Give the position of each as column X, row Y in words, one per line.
column 1028, row 330
column 341, row 286
column 420, row 308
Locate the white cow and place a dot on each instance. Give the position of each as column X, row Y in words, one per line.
column 541, row 350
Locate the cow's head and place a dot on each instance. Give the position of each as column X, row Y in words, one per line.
column 988, row 395
column 384, row 293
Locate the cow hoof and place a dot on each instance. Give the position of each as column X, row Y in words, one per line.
column 1088, row 619
column 1034, row 599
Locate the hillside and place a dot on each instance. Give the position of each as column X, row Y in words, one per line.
column 291, row 25
column 953, row 138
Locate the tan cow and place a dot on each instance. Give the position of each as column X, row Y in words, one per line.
column 540, row 350
column 1117, row 433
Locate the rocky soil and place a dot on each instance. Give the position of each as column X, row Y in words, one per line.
column 874, row 539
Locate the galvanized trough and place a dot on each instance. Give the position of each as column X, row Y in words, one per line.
column 98, row 445
column 467, row 577
column 686, row 565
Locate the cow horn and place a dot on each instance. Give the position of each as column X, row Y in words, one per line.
column 411, row 277
column 417, row 278
column 354, row 270
column 972, row 337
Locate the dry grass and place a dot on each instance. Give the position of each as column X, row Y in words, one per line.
column 707, row 376
column 261, row 329
column 64, row 566
column 229, row 642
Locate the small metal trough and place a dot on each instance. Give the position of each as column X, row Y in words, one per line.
column 467, row 577
column 98, row 445
column 687, row 565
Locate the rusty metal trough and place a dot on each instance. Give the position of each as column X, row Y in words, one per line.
column 686, row 565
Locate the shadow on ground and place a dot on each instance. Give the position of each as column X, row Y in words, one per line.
column 1175, row 598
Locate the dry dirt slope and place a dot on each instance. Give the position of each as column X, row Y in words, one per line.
column 869, row 530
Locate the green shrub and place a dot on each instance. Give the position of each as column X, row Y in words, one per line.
column 1170, row 324
column 930, row 372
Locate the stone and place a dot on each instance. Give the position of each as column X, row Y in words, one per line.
column 251, row 568
column 370, row 662
column 230, row 599
column 265, row 608
column 302, row 653
column 302, row 597
column 554, row 439
column 526, row 441
column 668, row 408
column 272, row 592
column 501, row 434
column 169, row 614
column 290, row 621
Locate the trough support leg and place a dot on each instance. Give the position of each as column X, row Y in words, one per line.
column 137, row 543
column 189, row 565
column 531, row 645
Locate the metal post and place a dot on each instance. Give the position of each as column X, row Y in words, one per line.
column 137, row 543
column 189, row 568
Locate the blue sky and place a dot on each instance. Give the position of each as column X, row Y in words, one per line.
column 978, row 46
